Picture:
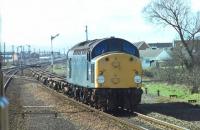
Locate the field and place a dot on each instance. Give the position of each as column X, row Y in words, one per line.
column 183, row 92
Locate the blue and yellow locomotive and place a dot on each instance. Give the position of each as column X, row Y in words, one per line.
column 105, row 73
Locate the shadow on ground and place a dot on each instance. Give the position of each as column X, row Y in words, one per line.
column 178, row 110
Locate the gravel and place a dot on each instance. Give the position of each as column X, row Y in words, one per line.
column 22, row 93
column 53, row 112
column 171, row 110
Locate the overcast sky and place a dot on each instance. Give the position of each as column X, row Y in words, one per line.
column 34, row 21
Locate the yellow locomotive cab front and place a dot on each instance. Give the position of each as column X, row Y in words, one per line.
column 118, row 70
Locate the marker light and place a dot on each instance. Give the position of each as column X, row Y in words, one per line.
column 138, row 79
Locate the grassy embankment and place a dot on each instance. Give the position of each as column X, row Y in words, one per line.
column 183, row 92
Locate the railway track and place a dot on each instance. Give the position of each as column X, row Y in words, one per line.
column 91, row 110
column 153, row 123
column 7, row 76
column 150, row 123
column 160, row 123
column 47, row 73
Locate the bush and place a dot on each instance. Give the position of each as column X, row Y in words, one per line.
column 177, row 75
column 148, row 73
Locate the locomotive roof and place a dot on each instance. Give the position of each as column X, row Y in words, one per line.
column 99, row 46
column 87, row 44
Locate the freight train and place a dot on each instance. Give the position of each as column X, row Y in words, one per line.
column 105, row 73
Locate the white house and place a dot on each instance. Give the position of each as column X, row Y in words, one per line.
column 153, row 57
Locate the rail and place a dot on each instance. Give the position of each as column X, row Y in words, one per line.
column 4, row 123
column 159, row 122
column 3, row 100
column 9, row 79
column 49, row 73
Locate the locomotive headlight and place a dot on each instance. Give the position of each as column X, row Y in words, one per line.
column 100, row 79
column 137, row 79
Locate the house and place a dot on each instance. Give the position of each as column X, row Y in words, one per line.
column 195, row 44
column 9, row 57
column 161, row 45
column 194, row 47
column 141, row 45
column 153, row 57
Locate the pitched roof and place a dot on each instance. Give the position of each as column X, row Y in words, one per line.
column 160, row 45
column 138, row 44
column 150, row 52
column 189, row 42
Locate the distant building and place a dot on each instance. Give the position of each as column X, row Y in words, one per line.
column 195, row 43
column 15, row 57
column 153, row 54
column 34, row 55
column 153, row 57
column 141, row 45
column 10, row 57
column 160, row 45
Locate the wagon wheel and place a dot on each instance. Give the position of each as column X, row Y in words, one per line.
column 104, row 108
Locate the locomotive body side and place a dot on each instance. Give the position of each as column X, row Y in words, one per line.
column 77, row 70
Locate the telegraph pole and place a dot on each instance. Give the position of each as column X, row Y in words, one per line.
column 21, row 57
column 51, row 55
column 18, row 55
column 64, row 51
column 0, row 47
column 52, row 37
column 4, row 54
column 29, row 49
column 17, row 50
column 86, row 32
column 13, row 52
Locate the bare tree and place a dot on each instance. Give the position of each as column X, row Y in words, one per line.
column 178, row 15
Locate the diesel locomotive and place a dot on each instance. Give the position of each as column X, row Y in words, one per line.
column 105, row 73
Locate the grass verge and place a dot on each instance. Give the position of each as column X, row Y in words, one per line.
column 182, row 92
